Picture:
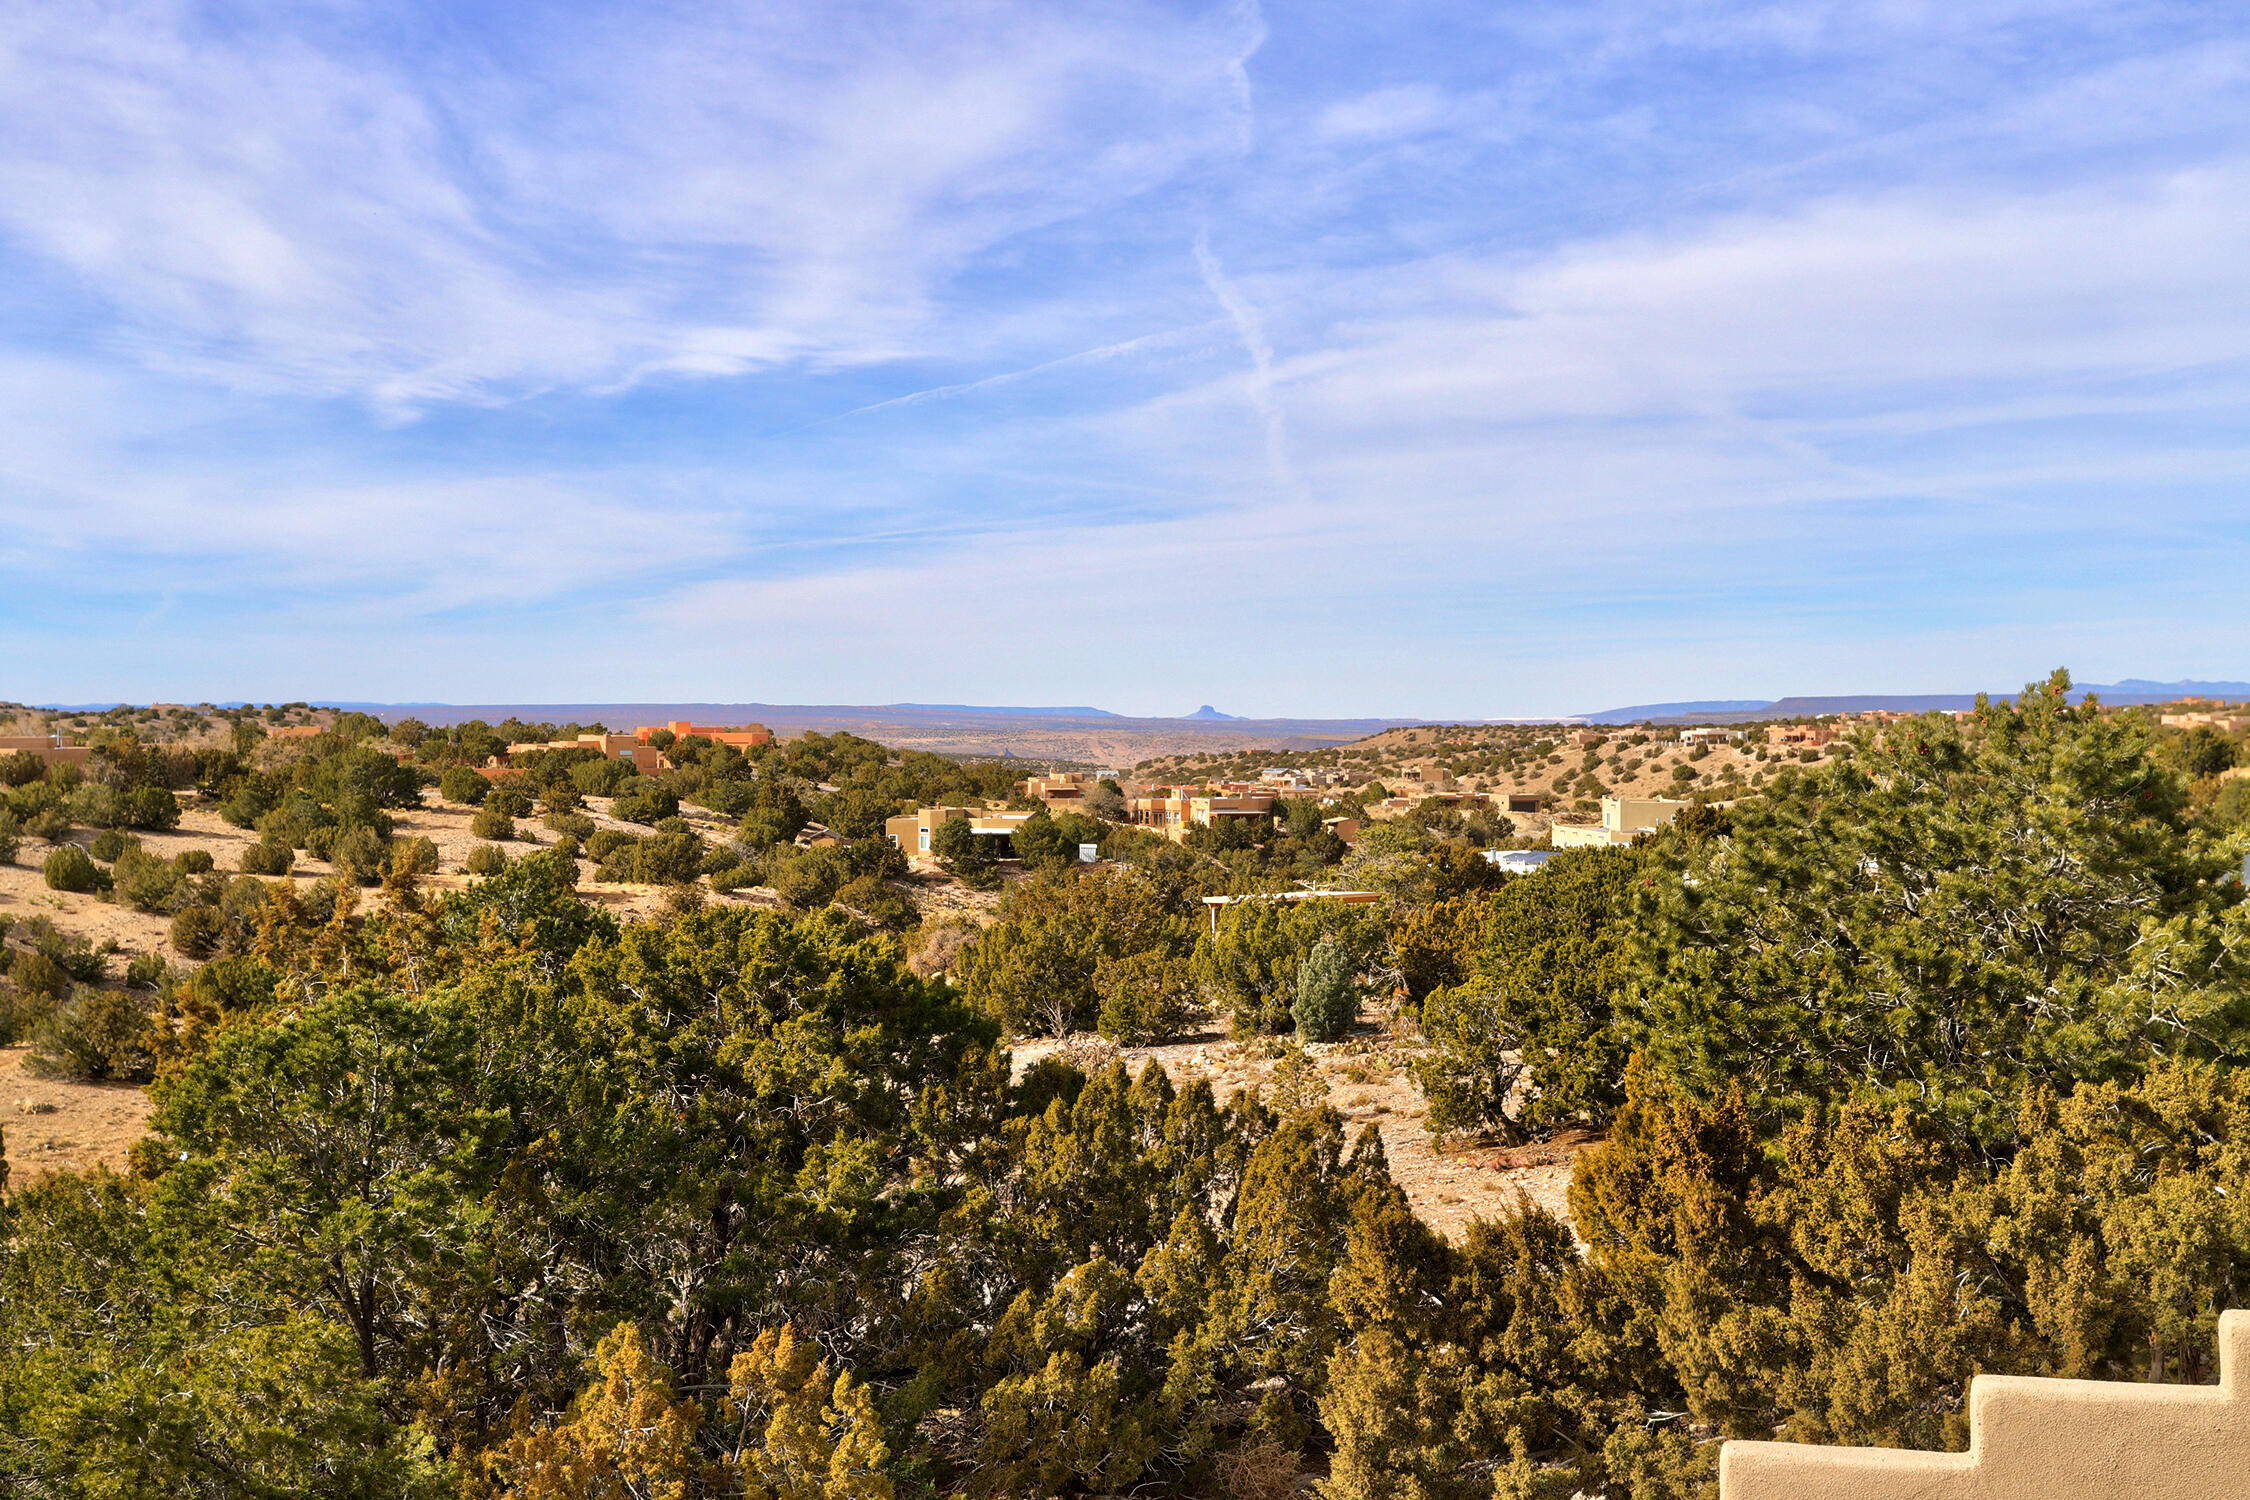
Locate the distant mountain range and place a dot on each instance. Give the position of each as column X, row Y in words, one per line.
column 2122, row 694
column 1093, row 735
column 1099, row 734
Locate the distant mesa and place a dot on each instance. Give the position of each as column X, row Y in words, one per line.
column 1639, row 712
column 1079, row 712
column 1208, row 712
column 2125, row 694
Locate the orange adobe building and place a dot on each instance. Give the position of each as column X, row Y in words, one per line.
column 742, row 736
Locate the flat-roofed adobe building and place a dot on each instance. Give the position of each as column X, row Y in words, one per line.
column 646, row 758
column 48, row 747
column 612, row 746
column 1623, row 819
column 741, row 736
column 1174, row 810
column 1057, row 788
column 2224, row 723
column 914, row 831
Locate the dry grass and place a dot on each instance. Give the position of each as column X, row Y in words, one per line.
column 1260, row 1470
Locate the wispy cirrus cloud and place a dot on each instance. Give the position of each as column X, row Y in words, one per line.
column 1473, row 359
column 316, row 202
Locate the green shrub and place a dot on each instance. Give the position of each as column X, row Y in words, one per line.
column 267, row 857
column 562, row 858
column 735, row 877
column 11, row 837
column 1327, row 1001
column 879, row 902
column 1147, row 997
column 100, row 806
column 1251, row 966
column 359, row 854
column 97, row 1036
column 601, row 778
column 76, row 957
column 729, row 799
column 194, row 862
column 510, row 802
column 69, row 869
column 462, row 785
column 577, row 825
column 487, row 859
column 233, row 986
column 249, row 802
column 643, row 800
column 107, row 845
column 144, row 882
column 603, row 843
column 37, row 977
column 20, row 1013
column 152, row 807
column 415, row 856
column 491, row 823
column 719, row 857
column 197, row 932
column 287, row 825
column 965, row 855
column 146, row 970
column 660, row 859
column 673, row 856
column 51, row 824
column 809, row 879
column 878, row 857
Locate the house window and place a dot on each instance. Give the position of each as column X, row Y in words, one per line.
column 925, row 841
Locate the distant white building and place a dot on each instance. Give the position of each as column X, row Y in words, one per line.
column 1519, row 861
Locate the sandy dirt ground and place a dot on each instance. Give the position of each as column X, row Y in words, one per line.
column 53, row 1125
column 1368, row 1083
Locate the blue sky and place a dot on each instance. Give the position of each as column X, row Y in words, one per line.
column 1462, row 360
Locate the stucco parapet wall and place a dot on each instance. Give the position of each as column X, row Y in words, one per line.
column 2033, row 1439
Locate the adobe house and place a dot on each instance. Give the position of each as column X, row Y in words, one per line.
column 913, row 831
column 48, row 747
column 741, row 736
column 646, row 758
column 2039, row 1439
column 1056, row 788
column 1623, row 819
column 1172, row 810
